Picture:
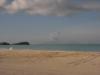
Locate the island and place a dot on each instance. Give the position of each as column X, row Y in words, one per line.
column 4, row 43
column 19, row 43
column 22, row 43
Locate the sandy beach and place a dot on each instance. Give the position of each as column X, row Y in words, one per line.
column 28, row 62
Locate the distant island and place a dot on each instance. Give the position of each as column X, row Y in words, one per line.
column 22, row 43
column 19, row 43
column 4, row 43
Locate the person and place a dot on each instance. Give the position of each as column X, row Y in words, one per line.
column 11, row 48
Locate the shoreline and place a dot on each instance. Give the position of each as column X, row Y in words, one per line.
column 43, row 53
column 47, row 50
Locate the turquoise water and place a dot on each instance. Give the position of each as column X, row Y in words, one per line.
column 65, row 47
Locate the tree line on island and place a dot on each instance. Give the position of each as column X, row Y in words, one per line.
column 19, row 43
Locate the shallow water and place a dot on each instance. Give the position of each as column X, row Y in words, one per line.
column 65, row 47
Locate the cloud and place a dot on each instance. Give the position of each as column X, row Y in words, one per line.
column 50, row 7
column 89, row 6
column 2, row 3
column 16, row 6
column 54, row 36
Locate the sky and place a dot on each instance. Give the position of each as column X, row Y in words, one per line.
column 50, row 21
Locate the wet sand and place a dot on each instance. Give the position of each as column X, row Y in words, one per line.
column 28, row 62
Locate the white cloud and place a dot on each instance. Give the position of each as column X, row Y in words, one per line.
column 17, row 5
column 54, row 36
column 2, row 2
column 50, row 7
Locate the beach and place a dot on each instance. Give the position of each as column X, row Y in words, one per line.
column 33, row 62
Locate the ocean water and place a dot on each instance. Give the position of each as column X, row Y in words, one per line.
column 54, row 47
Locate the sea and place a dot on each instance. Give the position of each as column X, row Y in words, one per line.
column 55, row 47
